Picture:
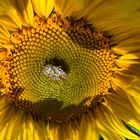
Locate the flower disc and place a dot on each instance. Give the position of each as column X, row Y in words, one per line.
column 59, row 68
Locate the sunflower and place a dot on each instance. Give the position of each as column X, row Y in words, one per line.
column 69, row 69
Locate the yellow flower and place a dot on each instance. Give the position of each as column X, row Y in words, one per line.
column 69, row 69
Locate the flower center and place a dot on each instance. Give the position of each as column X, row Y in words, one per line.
column 58, row 68
column 54, row 72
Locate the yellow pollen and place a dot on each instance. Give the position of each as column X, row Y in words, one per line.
column 58, row 68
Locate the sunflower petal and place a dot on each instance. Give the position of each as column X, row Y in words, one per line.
column 124, row 111
column 10, row 121
column 133, row 89
column 66, row 131
column 135, row 102
column 94, row 130
column 9, row 16
column 96, row 12
column 90, row 129
column 41, row 131
column 3, row 132
column 134, row 94
column 28, row 131
column 122, row 78
column 14, row 14
column 25, row 9
column 43, row 7
column 5, row 108
column 125, row 46
column 4, row 35
column 7, row 22
column 68, row 8
column 17, row 124
column 11, row 125
column 106, row 133
column 53, row 130
column 109, row 119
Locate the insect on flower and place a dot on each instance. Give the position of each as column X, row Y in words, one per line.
column 54, row 72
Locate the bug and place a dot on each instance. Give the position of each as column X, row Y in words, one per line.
column 54, row 72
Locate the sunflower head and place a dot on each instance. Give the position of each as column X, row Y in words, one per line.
column 61, row 65
column 59, row 68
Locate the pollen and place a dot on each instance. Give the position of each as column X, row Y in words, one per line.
column 58, row 68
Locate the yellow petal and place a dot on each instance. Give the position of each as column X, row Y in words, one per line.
column 43, row 8
column 5, row 109
column 17, row 123
column 29, row 126
column 123, row 22
column 125, row 46
column 134, row 94
column 125, row 62
column 131, row 56
column 134, row 91
column 7, row 121
column 122, row 79
column 53, row 130
column 3, row 132
column 129, row 63
column 13, row 129
column 68, row 7
column 136, row 103
column 9, row 14
column 14, row 14
column 29, row 130
column 25, row 9
column 88, row 128
column 4, row 35
column 94, row 130
column 8, row 23
column 41, row 131
column 122, row 108
column 65, row 131
column 106, row 133
column 111, row 122
column 132, row 70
